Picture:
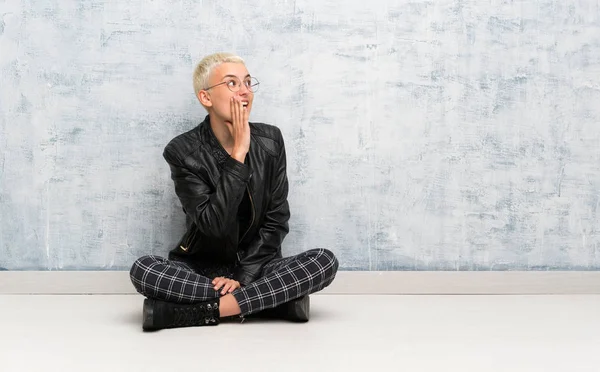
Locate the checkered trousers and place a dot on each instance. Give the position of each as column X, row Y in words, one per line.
column 282, row 280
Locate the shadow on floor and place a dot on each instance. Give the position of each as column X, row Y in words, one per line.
column 134, row 318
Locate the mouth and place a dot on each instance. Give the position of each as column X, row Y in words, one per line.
column 245, row 103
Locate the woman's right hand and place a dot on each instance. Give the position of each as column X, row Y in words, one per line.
column 240, row 130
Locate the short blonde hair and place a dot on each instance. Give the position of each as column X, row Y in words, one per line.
column 207, row 64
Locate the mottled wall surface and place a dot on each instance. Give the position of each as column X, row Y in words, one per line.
column 423, row 135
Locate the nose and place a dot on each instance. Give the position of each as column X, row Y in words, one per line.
column 244, row 90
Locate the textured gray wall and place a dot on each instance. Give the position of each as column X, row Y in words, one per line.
column 421, row 135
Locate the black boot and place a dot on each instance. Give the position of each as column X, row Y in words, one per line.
column 298, row 310
column 161, row 314
column 295, row 311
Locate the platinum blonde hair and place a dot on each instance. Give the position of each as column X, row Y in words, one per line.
column 207, row 64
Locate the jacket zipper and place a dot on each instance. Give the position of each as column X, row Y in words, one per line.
column 251, row 222
column 193, row 234
column 188, row 241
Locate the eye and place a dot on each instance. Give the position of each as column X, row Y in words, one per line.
column 232, row 83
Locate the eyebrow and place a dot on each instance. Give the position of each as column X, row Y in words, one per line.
column 235, row 76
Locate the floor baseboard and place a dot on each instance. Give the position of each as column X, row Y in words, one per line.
column 346, row 282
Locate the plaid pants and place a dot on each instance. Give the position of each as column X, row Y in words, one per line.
column 282, row 280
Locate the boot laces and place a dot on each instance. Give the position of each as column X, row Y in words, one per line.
column 194, row 315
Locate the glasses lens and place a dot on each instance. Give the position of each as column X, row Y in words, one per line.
column 251, row 84
column 254, row 84
column 233, row 84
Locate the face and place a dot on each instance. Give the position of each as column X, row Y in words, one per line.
column 234, row 76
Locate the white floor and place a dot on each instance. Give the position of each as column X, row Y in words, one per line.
column 346, row 333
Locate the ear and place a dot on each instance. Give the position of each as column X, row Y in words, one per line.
column 204, row 98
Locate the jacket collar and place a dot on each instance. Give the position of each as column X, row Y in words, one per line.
column 216, row 149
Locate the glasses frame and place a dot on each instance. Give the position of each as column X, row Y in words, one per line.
column 254, row 81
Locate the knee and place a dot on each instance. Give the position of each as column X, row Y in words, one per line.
column 140, row 266
column 327, row 259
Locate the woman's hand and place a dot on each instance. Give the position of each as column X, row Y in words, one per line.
column 227, row 285
column 240, row 130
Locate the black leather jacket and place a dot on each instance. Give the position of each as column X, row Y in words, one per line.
column 211, row 186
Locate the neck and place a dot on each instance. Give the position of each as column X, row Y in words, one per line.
column 219, row 128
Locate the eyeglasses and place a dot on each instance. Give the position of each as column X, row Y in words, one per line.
column 234, row 84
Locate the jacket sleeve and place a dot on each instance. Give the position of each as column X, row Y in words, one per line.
column 212, row 210
column 267, row 243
